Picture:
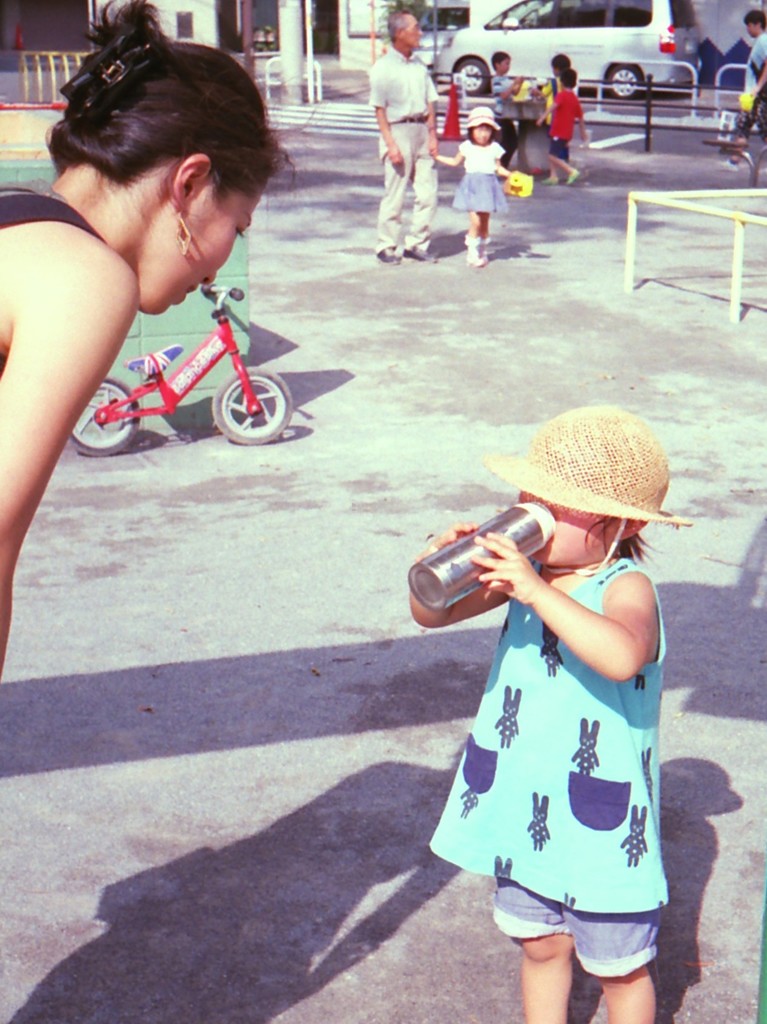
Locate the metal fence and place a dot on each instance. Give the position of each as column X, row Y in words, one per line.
column 42, row 73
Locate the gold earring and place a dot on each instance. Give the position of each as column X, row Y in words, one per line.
column 183, row 236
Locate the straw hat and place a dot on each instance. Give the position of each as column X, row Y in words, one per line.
column 481, row 115
column 597, row 459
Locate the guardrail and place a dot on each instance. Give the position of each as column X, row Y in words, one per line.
column 42, row 73
column 692, row 87
column 720, row 75
column 691, row 203
column 653, row 109
column 272, row 78
column 604, row 86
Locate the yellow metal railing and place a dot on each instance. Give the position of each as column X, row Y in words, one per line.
column 42, row 73
column 691, row 202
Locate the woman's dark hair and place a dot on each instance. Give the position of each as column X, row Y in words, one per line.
column 173, row 100
column 633, row 547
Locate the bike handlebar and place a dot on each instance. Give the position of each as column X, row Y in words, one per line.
column 213, row 291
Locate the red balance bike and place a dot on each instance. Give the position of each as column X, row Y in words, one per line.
column 250, row 407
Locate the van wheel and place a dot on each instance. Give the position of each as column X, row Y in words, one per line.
column 476, row 75
column 625, row 81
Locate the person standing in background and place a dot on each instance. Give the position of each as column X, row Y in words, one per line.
column 756, row 84
column 404, row 99
column 505, row 91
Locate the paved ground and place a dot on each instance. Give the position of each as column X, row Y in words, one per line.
column 227, row 744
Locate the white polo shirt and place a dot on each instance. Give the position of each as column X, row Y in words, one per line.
column 401, row 86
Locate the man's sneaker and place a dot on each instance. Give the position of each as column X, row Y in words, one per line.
column 388, row 256
column 420, row 255
column 572, row 178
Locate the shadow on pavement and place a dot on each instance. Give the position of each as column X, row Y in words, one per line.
column 692, row 790
column 725, row 679
column 243, row 933
column 166, row 710
column 230, row 703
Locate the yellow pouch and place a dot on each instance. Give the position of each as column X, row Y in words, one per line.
column 746, row 101
column 518, row 185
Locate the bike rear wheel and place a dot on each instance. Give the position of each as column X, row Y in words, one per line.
column 91, row 439
column 230, row 411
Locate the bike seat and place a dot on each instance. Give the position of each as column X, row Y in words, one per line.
column 153, row 363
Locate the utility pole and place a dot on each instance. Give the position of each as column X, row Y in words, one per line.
column 291, row 49
column 246, row 27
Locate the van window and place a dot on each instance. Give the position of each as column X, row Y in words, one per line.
column 683, row 13
column 632, row 13
column 582, row 14
column 449, row 19
column 529, row 14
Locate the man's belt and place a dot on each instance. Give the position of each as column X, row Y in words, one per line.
column 418, row 119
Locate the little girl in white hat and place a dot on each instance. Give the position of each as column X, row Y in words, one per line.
column 556, row 795
column 479, row 192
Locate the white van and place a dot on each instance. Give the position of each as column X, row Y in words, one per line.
column 620, row 41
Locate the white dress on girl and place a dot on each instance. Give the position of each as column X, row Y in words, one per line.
column 480, row 190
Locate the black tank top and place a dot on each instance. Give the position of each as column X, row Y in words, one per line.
column 24, row 205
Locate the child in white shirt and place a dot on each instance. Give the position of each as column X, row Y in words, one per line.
column 479, row 192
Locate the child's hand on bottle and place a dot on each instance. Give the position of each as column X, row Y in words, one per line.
column 506, row 570
column 456, row 531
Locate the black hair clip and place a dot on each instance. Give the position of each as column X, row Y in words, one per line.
column 105, row 76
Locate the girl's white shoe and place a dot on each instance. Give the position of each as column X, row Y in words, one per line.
column 475, row 259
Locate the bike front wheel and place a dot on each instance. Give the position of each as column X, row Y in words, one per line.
column 91, row 439
column 230, row 409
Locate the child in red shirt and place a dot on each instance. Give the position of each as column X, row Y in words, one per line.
column 566, row 111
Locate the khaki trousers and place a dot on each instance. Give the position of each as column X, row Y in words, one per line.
column 418, row 169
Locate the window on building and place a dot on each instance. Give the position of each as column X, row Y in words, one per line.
column 184, row 25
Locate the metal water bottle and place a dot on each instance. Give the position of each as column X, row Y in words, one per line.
column 449, row 574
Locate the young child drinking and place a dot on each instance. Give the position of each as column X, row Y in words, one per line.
column 479, row 192
column 556, row 795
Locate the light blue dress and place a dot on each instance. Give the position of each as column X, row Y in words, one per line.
column 558, row 788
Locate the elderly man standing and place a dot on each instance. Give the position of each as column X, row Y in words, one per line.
column 404, row 99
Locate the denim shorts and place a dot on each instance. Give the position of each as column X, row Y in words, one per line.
column 560, row 148
column 608, row 945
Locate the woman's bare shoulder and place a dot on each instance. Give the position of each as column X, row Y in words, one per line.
column 52, row 261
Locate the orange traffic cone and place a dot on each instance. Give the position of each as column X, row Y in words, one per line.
column 451, row 130
column 19, row 40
